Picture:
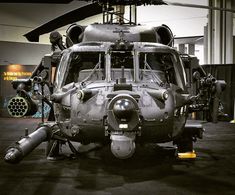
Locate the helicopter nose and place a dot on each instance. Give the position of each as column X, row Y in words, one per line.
column 123, row 108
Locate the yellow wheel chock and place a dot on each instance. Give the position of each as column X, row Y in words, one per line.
column 187, row 155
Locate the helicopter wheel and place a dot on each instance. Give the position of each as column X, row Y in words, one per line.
column 185, row 148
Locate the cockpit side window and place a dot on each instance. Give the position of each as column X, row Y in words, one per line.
column 83, row 64
column 61, row 71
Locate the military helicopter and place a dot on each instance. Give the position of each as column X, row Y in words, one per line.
column 116, row 83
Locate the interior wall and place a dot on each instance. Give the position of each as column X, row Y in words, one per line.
column 18, row 19
column 234, row 49
column 22, row 53
column 233, row 7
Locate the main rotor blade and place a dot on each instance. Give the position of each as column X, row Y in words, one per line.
column 199, row 6
column 68, row 18
column 37, row 1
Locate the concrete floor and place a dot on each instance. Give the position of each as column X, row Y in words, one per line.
column 150, row 171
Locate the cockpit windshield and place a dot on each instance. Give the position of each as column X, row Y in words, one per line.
column 85, row 66
column 157, row 67
column 145, row 66
column 121, row 59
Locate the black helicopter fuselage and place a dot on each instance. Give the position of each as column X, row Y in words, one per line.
column 118, row 87
column 116, row 83
column 134, row 91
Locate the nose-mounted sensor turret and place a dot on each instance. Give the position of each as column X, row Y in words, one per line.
column 123, row 109
column 123, row 124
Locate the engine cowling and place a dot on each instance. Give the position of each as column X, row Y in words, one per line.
column 165, row 35
column 74, row 34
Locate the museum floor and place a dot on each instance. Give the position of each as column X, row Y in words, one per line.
column 152, row 170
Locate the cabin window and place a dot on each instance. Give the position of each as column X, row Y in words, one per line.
column 157, row 67
column 85, row 66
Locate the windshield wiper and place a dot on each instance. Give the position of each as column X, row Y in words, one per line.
column 158, row 80
column 93, row 71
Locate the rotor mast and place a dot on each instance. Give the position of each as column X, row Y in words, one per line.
column 116, row 14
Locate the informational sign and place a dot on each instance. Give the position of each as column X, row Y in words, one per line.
column 15, row 71
column 10, row 76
